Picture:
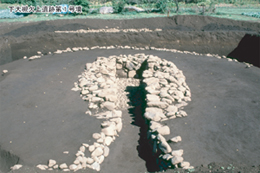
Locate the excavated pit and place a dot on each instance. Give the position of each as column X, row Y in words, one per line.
column 18, row 40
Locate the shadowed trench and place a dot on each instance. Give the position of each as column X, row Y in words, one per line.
column 137, row 105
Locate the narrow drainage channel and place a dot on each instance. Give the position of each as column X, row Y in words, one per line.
column 137, row 97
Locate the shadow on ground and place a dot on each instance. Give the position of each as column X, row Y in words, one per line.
column 137, row 108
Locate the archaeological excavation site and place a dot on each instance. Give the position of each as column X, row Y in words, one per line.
column 169, row 94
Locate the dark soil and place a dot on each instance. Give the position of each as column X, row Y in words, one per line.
column 201, row 34
column 221, row 133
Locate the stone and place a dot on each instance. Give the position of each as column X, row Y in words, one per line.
column 108, row 105
column 172, row 108
column 73, row 167
column 176, row 160
column 96, row 99
column 16, row 167
column 91, row 148
column 147, row 73
column 176, row 139
column 101, row 159
column 85, row 145
column 183, row 113
column 177, row 152
column 63, row 166
column 100, row 140
column 167, row 156
column 106, row 10
column 158, row 104
column 108, row 141
column 119, row 66
column 133, row 8
column 96, row 135
column 55, row 166
column 154, row 125
column 89, row 160
column 93, row 88
column 111, row 98
column 106, row 151
column 131, row 74
column 80, row 153
column 97, row 152
column 117, row 113
column 185, row 164
column 84, row 92
column 151, row 81
column 42, row 167
column 82, row 149
column 5, row 71
column 83, row 82
column 96, row 166
column 109, row 131
column 164, row 147
column 51, row 163
column 121, row 73
column 165, row 130
column 119, row 127
column 150, row 98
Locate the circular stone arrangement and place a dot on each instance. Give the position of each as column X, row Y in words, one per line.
column 103, row 84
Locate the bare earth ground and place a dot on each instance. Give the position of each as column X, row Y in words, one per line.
column 42, row 117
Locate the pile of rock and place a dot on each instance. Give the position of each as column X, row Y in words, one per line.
column 110, row 30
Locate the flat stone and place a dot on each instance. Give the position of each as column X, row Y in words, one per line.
column 42, row 167
column 177, row 152
column 147, row 73
column 151, row 98
column 96, row 135
column 93, row 88
column 106, row 151
column 91, row 148
column 108, row 141
column 158, row 104
column 176, row 139
column 109, row 105
column 111, row 98
column 109, row 131
column 89, row 160
column 82, row 149
column 119, row 127
column 172, row 108
column 96, row 166
column 176, row 160
column 165, row 130
column 73, row 167
column 97, row 152
column 51, row 163
column 165, row 147
column 16, row 167
column 131, row 74
column 155, row 125
column 63, row 166
column 117, row 113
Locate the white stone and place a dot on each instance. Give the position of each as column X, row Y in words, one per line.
column 93, row 88
column 185, row 164
column 86, row 145
column 5, row 71
column 154, row 125
column 63, row 166
column 150, row 98
column 119, row 127
column 117, row 113
column 109, row 131
column 176, row 160
column 96, row 166
column 177, row 152
column 108, row 105
column 106, row 151
column 158, row 104
column 91, row 148
column 165, row 130
column 108, row 141
column 97, row 152
column 176, row 139
column 16, row 167
column 73, row 167
column 51, row 163
column 96, row 135
column 165, row 147
column 82, row 149
column 131, row 74
column 172, row 108
column 89, row 160
column 101, row 159
column 147, row 73
column 42, row 167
